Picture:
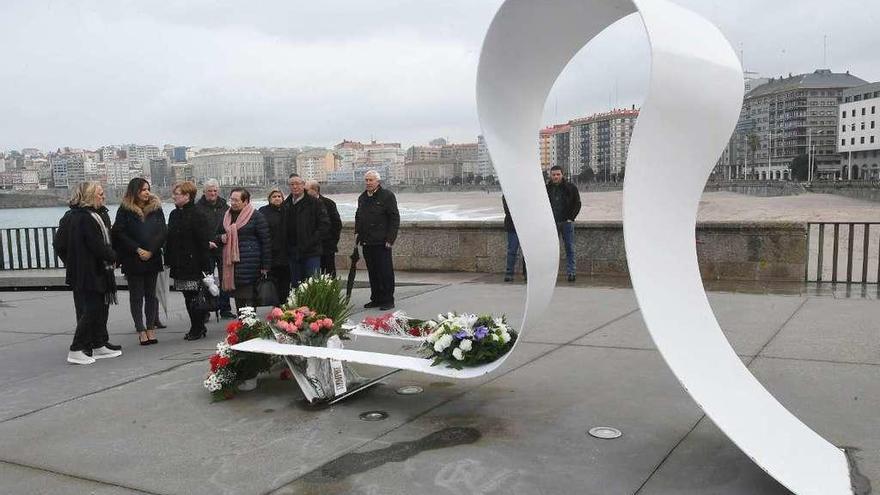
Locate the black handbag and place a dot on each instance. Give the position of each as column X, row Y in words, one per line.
column 265, row 292
column 204, row 301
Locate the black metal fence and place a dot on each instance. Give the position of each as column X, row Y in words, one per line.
column 847, row 252
column 28, row 248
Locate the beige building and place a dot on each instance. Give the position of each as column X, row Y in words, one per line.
column 316, row 164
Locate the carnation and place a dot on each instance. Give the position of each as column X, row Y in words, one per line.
column 465, row 345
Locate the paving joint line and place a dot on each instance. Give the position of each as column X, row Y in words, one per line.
column 101, row 390
column 76, row 476
column 703, row 416
column 459, row 395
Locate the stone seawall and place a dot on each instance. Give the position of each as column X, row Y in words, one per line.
column 766, row 251
column 866, row 190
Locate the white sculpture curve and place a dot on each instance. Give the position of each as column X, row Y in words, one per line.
column 694, row 100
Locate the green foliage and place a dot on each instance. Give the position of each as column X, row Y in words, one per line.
column 322, row 294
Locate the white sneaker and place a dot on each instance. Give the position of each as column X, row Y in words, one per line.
column 79, row 357
column 103, row 353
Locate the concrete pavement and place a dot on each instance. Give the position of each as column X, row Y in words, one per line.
column 143, row 423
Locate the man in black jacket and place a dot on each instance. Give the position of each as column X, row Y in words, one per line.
column 331, row 242
column 305, row 223
column 375, row 225
column 565, row 200
column 213, row 207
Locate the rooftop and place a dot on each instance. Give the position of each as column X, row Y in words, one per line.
column 820, row 78
column 142, row 423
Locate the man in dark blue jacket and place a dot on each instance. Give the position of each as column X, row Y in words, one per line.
column 565, row 200
column 375, row 225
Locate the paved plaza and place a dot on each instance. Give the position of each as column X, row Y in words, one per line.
column 143, row 423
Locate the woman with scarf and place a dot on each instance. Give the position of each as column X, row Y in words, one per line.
column 187, row 254
column 89, row 261
column 280, row 273
column 138, row 236
column 247, row 248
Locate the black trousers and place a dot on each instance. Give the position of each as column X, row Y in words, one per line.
column 381, row 272
column 328, row 264
column 280, row 274
column 142, row 300
column 196, row 317
column 91, row 324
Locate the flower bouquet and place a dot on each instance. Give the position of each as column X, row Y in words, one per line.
column 396, row 324
column 229, row 369
column 468, row 340
column 312, row 316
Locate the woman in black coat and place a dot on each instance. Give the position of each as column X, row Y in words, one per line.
column 138, row 236
column 89, row 259
column 280, row 272
column 187, row 254
column 247, row 248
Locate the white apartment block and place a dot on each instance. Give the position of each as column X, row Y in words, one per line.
column 859, row 141
column 230, row 168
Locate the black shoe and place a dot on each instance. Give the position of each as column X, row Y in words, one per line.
column 386, row 306
column 152, row 341
column 571, row 277
column 195, row 335
column 508, row 278
column 225, row 315
column 87, row 352
column 371, row 304
column 143, row 341
column 113, row 347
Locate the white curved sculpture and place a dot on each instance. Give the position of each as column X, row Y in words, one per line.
column 692, row 106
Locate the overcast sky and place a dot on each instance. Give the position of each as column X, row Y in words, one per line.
column 292, row 73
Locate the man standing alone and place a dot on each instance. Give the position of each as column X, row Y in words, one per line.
column 565, row 200
column 375, row 226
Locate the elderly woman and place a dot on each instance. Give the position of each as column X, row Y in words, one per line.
column 280, row 272
column 89, row 260
column 247, row 249
column 138, row 235
column 186, row 253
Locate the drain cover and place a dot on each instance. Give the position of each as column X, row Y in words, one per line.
column 605, row 432
column 410, row 390
column 373, row 415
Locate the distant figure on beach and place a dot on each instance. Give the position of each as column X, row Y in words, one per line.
column 512, row 245
column 280, row 271
column 376, row 222
column 330, row 243
column 187, row 254
column 84, row 243
column 305, row 224
column 213, row 207
column 565, row 201
column 138, row 236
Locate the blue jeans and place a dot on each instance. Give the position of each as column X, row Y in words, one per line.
column 566, row 230
column 512, row 251
column 302, row 268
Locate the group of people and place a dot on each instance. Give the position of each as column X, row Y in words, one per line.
column 286, row 242
column 565, row 201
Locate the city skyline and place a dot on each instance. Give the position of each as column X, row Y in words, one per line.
column 287, row 75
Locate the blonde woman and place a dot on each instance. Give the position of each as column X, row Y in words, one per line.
column 89, row 260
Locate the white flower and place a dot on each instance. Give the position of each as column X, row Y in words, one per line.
column 443, row 342
column 465, row 345
column 457, row 354
column 505, row 338
column 432, row 337
column 499, row 322
column 495, row 337
column 431, row 324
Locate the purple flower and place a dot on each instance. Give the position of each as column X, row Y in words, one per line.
column 481, row 332
column 461, row 335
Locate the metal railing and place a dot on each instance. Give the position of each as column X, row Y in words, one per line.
column 28, row 248
column 843, row 252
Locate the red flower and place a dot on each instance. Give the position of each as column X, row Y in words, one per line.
column 234, row 326
column 232, row 339
column 286, row 374
column 218, row 362
column 415, row 332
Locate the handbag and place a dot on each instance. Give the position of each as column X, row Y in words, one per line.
column 205, row 301
column 265, row 292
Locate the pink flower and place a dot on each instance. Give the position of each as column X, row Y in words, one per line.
column 275, row 314
column 328, row 323
column 299, row 321
column 314, row 326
